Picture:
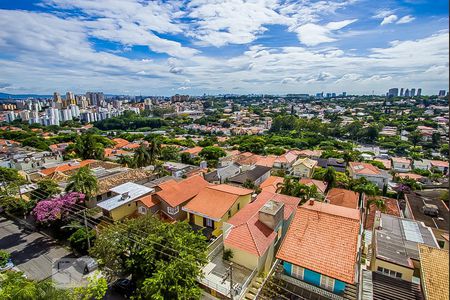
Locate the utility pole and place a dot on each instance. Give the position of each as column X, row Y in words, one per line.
column 87, row 230
column 229, row 274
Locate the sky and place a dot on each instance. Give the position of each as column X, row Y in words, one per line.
column 223, row 46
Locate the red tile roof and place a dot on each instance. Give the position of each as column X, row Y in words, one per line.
column 216, row 200
column 271, row 183
column 67, row 167
column 314, row 236
column 321, row 185
column 386, row 162
column 149, row 201
column 194, row 151
column 392, row 209
column 439, row 163
column 343, row 198
column 175, row 193
column 266, row 161
column 364, row 168
column 410, row 176
column 251, row 235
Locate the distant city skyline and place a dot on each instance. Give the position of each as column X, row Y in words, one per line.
column 274, row 47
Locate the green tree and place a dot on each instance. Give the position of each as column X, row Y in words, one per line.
column 415, row 137
column 95, row 289
column 154, row 148
column 4, row 258
column 8, row 175
column 89, row 146
column 170, row 153
column 330, row 177
column 165, row 260
column 79, row 239
column 46, row 189
column 83, row 181
column 127, row 161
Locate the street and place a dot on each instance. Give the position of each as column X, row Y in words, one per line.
column 31, row 252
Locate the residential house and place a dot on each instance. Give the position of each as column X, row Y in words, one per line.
column 148, row 205
column 338, row 164
column 267, row 161
column 174, row 195
column 434, row 272
column 370, row 172
column 304, row 167
column 386, row 162
column 320, row 185
column 320, row 252
column 395, row 246
column 401, row 164
column 342, row 197
column 124, row 144
column 285, row 161
column 255, row 175
column 214, row 205
column 413, row 176
column 245, row 159
column 59, row 148
column 442, row 166
column 180, row 170
column 221, row 175
column 193, row 152
column 271, row 184
column 123, row 202
column 254, row 232
column 66, row 167
column 310, row 153
column 379, row 286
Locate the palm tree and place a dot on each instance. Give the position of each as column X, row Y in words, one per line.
column 154, row 148
column 83, row 181
column 330, row 177
column 291, row 187
column 378, row 202
column 142, row 157
column 126, row 161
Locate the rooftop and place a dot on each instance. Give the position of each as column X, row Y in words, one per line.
column 314, row 235
column 309, row 163
column 397, row 240
column 271, row 183
column 252, row 174
column 343, row 198
column 388, row 287
column 175, row 193
column 417, row 201
column 127, row 193
column 434, row 271
column 215, row 201
column 392, row 208
column 364, row 168
column 321, row 185
column 251, row 235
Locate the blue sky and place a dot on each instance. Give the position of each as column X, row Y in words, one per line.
column 223, row 46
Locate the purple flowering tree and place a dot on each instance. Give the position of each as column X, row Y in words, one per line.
column 54, row 209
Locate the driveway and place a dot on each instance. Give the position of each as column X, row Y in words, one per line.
column 31, row 252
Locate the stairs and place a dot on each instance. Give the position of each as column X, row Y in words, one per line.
column 253, row 290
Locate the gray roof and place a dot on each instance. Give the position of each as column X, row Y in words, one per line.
column 134, row 191
column 386, row 287
column 223, row 173
column 397, row 240
column 418, row 199
column 252, row 174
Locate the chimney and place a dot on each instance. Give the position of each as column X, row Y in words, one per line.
column 311, row 201
column 271, row 214
column 124, row 196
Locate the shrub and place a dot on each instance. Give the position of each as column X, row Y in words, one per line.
column 227, row 254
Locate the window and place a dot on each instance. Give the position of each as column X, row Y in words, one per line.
column 173, row 210
column 229, row 214
column 238, row 206
column 109, row 194
column 389, row 272
column 298, row 272
column 142, row 210
column 208, row 223
column 327, row 282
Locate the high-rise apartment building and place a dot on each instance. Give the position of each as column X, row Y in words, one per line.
column 407, row 93
column 419, row 92
column 413, row 92
column 441, row 93
column 393, row 92
column 401, row 92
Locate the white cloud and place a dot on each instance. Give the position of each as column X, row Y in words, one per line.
column 313, row 34
column 389, row 19
column 406, row 19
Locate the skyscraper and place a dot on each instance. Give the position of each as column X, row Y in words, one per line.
column 70, row 98
column 413, row 92
column 407, row 93
column 401, row 92
column 393, row 92
column 419, row 92
column 441, row 93
column 56, row 97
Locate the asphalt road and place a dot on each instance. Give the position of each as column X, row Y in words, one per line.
column 31, row 252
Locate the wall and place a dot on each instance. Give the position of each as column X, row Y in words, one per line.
column 123, row 211
column 180, row 216
column 379, row 181
column 302, row 171
column 407, row 273
column 243, row 258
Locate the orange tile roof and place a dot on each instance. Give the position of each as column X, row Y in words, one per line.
column 175, row 193
column 194, row 151
column 122, row 143
column 439, row 163
column 215, row 201
column 321, row 185
column 67, row 167
column 315, row 234
column 402, row 160
column 410, row 176
column 310, row 153
column 149, row 201
column 364, row 168
column 112, row 152
column 392, row 209
column 271, row 183
column 266, row 161
column 386, row 162
column 343, row 198
column 434, row 265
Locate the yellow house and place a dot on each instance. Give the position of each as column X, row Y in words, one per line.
column 123, row 202
column 216, row 204
column 304, row 167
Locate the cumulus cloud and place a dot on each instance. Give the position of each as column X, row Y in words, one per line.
column 313, row 34
column 389, row 19
column 406, row 19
